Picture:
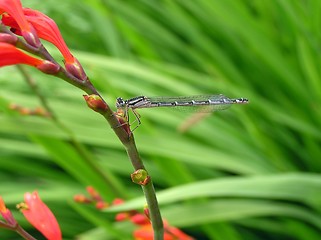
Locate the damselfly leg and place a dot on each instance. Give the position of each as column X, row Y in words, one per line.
column 123, row 113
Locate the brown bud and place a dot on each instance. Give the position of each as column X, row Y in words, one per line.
column 8, row 38
column 48, row 67
column 95, row 102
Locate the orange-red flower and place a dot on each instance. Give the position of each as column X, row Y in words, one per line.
column 170, row 233
column 48, row 30
column 145, row 229
column 40, row 216
column 10, row 55
column 14, row 9
column 6, row 213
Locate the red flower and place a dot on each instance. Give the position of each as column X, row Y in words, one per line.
column 10, row 55
column 170, row 233
column 139, row 219
column 6, row 213
column 40, row 216
column 48, row 30
column 14, row 9
column 2, row 205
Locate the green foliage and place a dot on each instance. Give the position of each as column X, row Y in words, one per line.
column 267, row 51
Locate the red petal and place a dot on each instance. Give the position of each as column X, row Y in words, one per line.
column 10, row 55
column 178, row 233
column 146, row 233
column 139, row 219
column 6, row 213
column 3, row 207
column 14, row 9
column 46, row 29
column 40, row 216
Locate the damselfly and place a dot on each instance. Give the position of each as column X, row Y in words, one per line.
column 201, row 103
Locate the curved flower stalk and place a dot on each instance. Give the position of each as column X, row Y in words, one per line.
column 40, row 216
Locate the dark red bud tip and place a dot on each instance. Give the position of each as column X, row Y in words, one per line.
column 48, row 67
column 76, row 70
column 31, row 38
column 118, row 201
column 101, row 205
column 80, row 198
column 139, row 219
column 6, row 213
column 146, row 211
column 122, row 216
column 8, row 38
column 140, row 177
column 93, row 193
column 95, row 102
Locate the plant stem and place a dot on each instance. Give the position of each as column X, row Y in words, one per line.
column 77, row 145
column 148, row 189
column 154, row 213
column 23, row 233
column 17, row 228
column 126, row 138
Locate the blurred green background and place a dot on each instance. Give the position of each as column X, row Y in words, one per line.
column 250, row 172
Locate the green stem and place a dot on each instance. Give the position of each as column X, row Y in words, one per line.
column 17, row 228
column 23, row 233
column 132, row 152
column 126, row 139
column 148, row 189
column 154, row 213
column 77, row 145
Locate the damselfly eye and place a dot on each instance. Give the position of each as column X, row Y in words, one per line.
column 120, row 102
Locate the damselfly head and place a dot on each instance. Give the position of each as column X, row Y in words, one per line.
column 120, row 103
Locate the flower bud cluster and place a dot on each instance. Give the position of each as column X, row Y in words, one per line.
column 22, row 29
column 144, row 230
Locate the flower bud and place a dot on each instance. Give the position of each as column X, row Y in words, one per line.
column 76, row 70
column 8, row 38
column 48, row 67
column 31, row 37
column 6, row 213
column 122, row 216
column 118, row 201
column 140, row 177
column 95, row 102
column 80, row 198
column 139, row 219
column 101, row 205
